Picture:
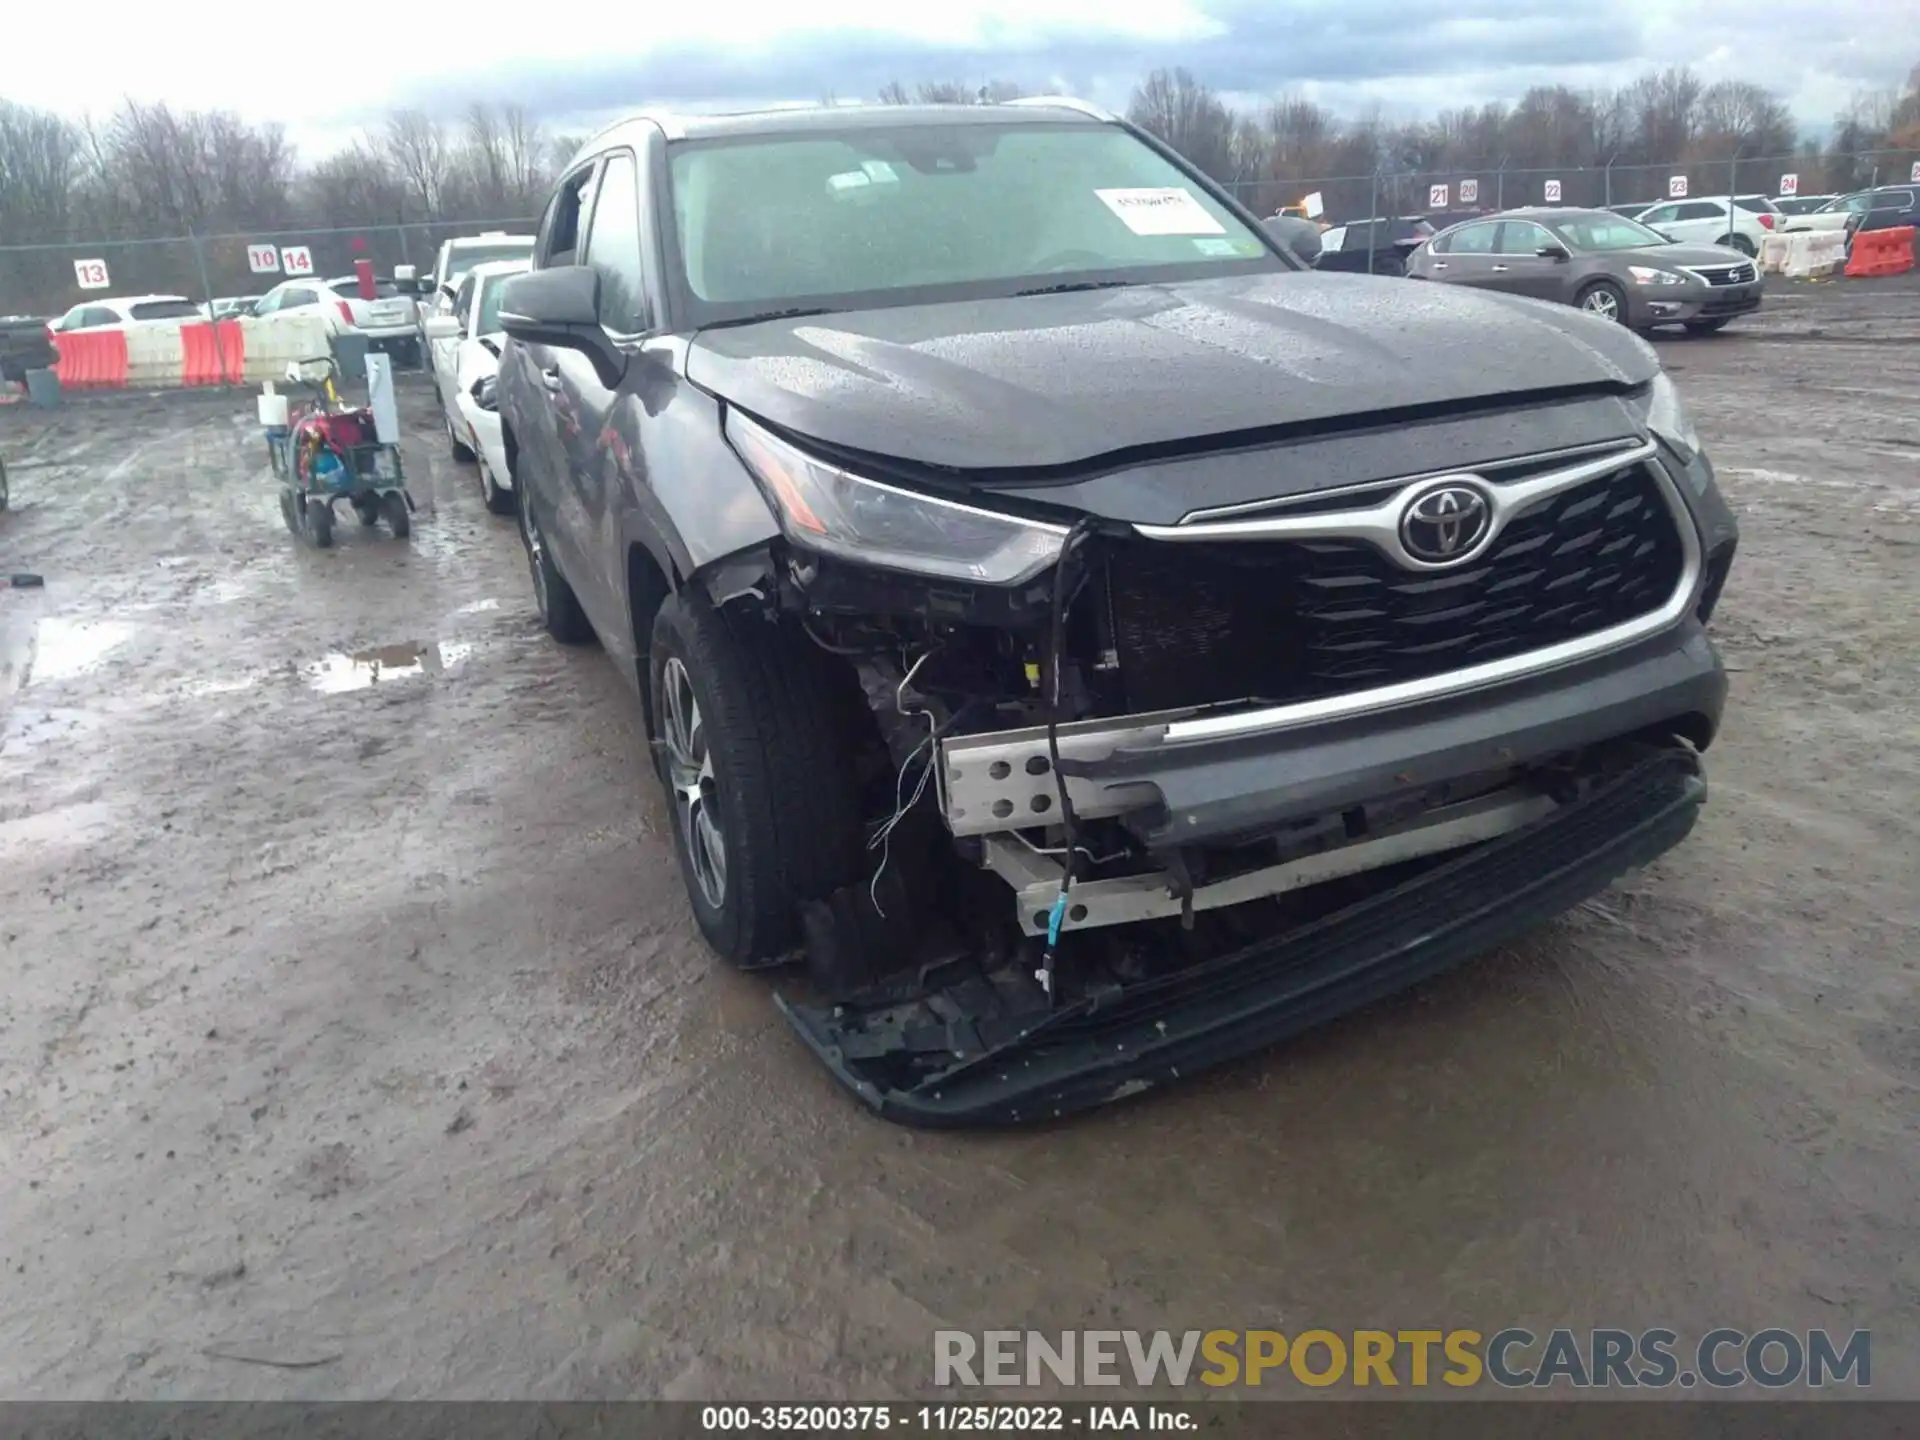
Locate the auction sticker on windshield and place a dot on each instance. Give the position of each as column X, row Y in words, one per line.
column 1169, row 211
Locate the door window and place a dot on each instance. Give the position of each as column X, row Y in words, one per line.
column 1658, row 215
column 1472, row 240
column 613, row 247
column 1522, row 237
column 463, row 300
column 566, row 218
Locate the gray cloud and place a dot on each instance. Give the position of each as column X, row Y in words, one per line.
column 1367, row 51
column 1262, row 49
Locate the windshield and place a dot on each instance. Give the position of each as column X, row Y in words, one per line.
column 491, row 289
column 465, row 257
column 350, row 287
column 1607, row 232
column 866, row 215
column 164, row 310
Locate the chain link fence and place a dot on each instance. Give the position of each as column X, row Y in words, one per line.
column 46, row 280
column 1416, row 192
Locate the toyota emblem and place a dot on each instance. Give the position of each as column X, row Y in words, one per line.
column 1446, row 523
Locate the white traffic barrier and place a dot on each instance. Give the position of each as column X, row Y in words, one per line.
column 155, row 354
column 1826, row 252
column 273, row 343
column 1799, row 254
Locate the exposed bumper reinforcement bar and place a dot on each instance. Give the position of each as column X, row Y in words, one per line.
column 923, row 1062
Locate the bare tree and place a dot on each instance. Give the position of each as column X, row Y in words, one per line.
column 1188, row 116
column 417, row 147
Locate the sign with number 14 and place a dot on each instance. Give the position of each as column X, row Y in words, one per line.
column 296, row 260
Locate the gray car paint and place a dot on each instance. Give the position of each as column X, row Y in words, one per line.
column 1048, row 381
column 1562, row 280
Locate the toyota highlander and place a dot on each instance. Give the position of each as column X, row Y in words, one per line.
column 1077, row 642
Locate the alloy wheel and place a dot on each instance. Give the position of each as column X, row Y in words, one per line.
column 690, row 777
column 1601, row 303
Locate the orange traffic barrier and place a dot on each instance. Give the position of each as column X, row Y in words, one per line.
column 1881, row 252
column 91, row 360
column 211, row 357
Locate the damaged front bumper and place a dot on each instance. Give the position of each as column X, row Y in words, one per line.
column 970, row 1049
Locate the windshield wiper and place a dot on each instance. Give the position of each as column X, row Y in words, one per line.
column 798, row 313
column 1072, row 285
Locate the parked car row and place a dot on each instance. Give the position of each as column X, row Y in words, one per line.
column 463, row 344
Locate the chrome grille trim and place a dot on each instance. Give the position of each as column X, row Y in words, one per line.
column 1379, row 525
column 1476, row 677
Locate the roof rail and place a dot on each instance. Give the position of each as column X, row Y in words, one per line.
column 1064, row 102
column 670, row 124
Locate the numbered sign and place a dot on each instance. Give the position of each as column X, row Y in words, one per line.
column 296, row 260
column 1314, row 206
column 1913, row 175
column 1436, row 197
column 1676, row 187
column 1553, row 192
column 91, row 274
column 1469, row 192
column 263, row 259
column 1789, row 184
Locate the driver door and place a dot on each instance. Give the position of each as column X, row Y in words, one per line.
column 1518, row 267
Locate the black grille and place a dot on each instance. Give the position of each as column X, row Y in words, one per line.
column 1301, row 619
column 1732, row 275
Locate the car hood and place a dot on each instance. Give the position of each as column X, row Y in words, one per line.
column 1052, row 381
column 1683, row 255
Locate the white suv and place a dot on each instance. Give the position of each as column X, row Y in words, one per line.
column 1738, row 221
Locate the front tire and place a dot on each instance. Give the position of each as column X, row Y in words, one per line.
column 393, row 508
column 320, row 523
column 1738, row 242
column 1605, row 299
column 561, row 615
column 497, row 500
column 461, row 450
column 758, row 765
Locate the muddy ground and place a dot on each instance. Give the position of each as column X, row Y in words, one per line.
column 362, row 1023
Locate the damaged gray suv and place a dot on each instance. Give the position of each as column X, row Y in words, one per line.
column 1078, row 643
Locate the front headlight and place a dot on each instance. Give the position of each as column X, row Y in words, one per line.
column 1668, row 418
column 826, row 509
column 1651, row 275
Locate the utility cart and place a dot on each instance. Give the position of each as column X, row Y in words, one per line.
column 323, row 451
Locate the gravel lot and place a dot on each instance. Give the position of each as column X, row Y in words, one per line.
column 360, row 1024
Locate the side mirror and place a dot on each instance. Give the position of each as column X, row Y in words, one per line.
column 442, row 327
column 561, row 307
column 1554, row 252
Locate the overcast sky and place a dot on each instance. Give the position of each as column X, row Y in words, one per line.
column 577, row 62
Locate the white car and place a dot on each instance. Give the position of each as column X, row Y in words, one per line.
column 387, row 320
column 465, row 346
column 1739, row 222
column 125, row 312
column 460, row 255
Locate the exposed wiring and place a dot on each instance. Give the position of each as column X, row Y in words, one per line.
column 829, row 646
column 1057, row 649
column 1092, row 859
column 882, row 839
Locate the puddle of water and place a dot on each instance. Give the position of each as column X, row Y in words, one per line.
column 28, row 728
column 338, row 673
column 66, row 826
column 63, row 649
